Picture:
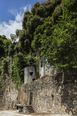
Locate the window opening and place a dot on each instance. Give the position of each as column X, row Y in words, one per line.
column 31, row 73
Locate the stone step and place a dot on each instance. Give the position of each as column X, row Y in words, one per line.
column 30, row 109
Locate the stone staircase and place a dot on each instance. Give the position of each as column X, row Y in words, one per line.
column 28, row 109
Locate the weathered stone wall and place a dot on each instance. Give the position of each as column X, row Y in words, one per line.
column 50, row 95
column 10, row 94
column 69, row 98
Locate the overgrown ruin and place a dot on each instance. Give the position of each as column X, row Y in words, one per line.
column 50, row 94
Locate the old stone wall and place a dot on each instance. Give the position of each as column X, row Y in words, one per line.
column 49, row 95
column 10, row 94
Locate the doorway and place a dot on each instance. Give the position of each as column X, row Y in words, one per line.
column 31, row 97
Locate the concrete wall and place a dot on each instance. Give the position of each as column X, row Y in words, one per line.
column 29, row 74
column 50, row 95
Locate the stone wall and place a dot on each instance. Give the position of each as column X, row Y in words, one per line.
column 50, row 95
column 10, row 94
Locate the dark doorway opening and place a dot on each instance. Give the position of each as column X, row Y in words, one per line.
column 17, row 107
column 31, row 73
column 31, row 96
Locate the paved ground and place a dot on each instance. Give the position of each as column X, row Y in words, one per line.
column 15, row 113
column 10, row 113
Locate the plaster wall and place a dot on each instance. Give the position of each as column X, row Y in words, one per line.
column 46, row 69
column 29, row 74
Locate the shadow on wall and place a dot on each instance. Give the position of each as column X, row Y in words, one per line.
column 68, row 91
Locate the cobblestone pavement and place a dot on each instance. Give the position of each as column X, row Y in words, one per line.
column 15, row 113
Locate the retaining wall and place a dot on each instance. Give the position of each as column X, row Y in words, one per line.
column 49, row 95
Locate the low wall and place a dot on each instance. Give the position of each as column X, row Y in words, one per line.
column 48, row 95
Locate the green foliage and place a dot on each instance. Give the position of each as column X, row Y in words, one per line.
column 50, row 29
column 17, row 69
column 47, row 8
column 57, row 13
column 0, row 71
column 32, row 23
column 37, row 4
column 57, row 2
column 41, row 11
column 7, row 44
column 3, row 37
column 32, row 20
column 70, row 9
column 57, row 41
column 24, row 41
column 71, row 5
column 26, row 36
column 40, row 32
column 26, row 15
column 31, row 60
column 33, row 10
column 61, row 46
column 17, row 32
column 5, row 68
column 17, row 48
column 1, row 47
column 11, row 49
column 36, row 42
column 17, row 72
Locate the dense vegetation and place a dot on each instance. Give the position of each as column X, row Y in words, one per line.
column 49, row 30
column 13, row 61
